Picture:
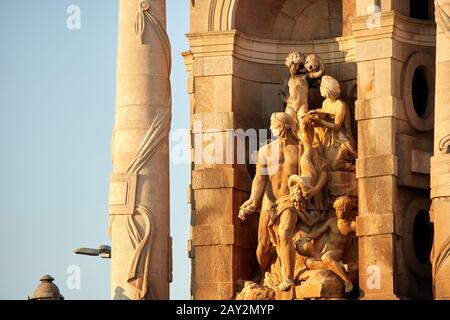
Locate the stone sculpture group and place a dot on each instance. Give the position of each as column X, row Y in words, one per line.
column 305, row 191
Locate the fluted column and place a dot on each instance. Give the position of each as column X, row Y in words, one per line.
column 440, row 163
column 139, row 189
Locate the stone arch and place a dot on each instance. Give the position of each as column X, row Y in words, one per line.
column 221, row 15
column 297, row 20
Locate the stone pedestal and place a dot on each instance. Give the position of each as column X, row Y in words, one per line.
column 139, row 189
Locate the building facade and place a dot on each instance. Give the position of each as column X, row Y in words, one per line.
column 391, row 59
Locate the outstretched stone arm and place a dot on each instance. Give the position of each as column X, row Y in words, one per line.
column 318, row 113
column 338, row 120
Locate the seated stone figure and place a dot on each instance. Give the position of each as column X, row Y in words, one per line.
column 340, row 234
column 334, row 122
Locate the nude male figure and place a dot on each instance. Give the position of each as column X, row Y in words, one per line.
column 277, row 161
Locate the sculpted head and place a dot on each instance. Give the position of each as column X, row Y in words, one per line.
column 281, row 123
column 314, row 66
column 330, row 88
column 295, row 61
column 345, row 207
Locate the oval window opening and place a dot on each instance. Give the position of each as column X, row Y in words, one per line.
column 423, row 236
column 419, row 9
column 420, row 92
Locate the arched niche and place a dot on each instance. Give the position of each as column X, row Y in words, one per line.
column 296, row 20
column 238, row 49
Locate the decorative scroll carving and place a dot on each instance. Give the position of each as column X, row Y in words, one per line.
column 444, row 144
column 142, row 17
column 139, row 24
column 142, row 243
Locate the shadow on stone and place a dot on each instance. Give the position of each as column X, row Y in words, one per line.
column 119, row 294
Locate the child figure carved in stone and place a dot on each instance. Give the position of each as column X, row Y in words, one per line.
column 341, row 232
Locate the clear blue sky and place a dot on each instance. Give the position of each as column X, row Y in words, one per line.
column 57, row 98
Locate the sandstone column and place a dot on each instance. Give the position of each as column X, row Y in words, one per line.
column 139, row 189
column 440, row 163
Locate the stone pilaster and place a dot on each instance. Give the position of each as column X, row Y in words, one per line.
column 376, row 164
column 388, row 53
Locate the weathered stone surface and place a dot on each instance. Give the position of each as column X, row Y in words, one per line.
column 414, row 155
column 343, row 183
column 376, row 166
column 440, row 190
column 253, row 291
column 285, row 295
column 235, row 78
column 139, row 210
column 320, row 285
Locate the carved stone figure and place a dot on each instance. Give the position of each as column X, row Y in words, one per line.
column 252, row 291
column 297, row 103
column 314, row 66
column 277, row 161
column 334, row 119
column 341, row 231
column 313, row 167
column 309, row 166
